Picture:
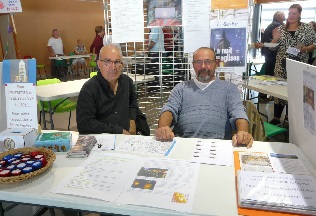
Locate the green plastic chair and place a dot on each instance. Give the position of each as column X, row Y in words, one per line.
column 273, row 130
column 61, row 105
column 261, row 131
column 92, row 74
column 93, row 61
column 166, row 66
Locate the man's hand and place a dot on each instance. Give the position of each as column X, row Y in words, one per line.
column 243, row 137
column 126, row 132
column 132, row 127
column 164, row 134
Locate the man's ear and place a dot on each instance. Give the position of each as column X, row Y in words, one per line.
column 99, row 64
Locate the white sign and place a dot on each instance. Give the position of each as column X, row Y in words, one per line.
column 21, row 105
column 127, row 21
column 10, row 6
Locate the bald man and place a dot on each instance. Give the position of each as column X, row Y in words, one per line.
column 107, row 103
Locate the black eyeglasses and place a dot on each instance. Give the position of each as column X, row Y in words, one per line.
column 109, row 62
column 206, row 62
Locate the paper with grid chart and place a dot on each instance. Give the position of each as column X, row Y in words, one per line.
column 217, row 152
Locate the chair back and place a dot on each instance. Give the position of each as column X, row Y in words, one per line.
column 47, row 82
column 93, row 62
column 256, row 126
column 262, row 70
column 92, row 74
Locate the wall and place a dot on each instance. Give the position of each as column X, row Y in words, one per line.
column 73, row 18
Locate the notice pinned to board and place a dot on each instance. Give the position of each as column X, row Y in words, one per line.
column 21, row 105
column 10, row 6
column 19, row 79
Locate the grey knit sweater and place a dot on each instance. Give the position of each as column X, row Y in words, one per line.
column 208, row 113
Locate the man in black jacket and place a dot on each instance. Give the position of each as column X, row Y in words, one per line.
column 270, row 56
column 107, row 103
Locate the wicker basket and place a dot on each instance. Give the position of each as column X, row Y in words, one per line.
column 49, row 156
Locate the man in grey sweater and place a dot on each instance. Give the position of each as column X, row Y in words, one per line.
column 204, row 107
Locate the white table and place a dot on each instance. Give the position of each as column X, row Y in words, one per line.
column 69, row 57
column 59, row 68
column 72, row 89
column 279, row 91
column 215, row 192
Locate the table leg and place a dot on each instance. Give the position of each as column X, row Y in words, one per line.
column 43, row 115
column 1, row 209
column 50, row 115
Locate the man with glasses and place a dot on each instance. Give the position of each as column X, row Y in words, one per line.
column 107, row 103
column 204, row 107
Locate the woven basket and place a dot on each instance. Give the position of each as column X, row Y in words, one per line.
column 49, row 156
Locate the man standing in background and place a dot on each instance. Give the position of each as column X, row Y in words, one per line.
column 270, row 56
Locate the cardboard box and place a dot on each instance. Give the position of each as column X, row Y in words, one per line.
column 56, row 141
column 14, row 138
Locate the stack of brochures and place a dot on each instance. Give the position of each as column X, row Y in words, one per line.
column 83, row 146
column 277, row 192
column 85, row 143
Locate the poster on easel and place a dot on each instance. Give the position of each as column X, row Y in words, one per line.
column 309, row 87
column 229, row 40
column 10, row 6
column 164, row 12
column 19, row 79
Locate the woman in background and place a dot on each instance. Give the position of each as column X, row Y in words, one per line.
column 296, row 40
column 312, row 55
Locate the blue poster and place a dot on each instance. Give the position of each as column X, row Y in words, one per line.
column 228, row 39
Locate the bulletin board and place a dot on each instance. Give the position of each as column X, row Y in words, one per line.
column 299, row 131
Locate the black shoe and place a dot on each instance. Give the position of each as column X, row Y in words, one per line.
column 275, row 121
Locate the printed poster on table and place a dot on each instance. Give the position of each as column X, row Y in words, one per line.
column 309, row 86
column 10, row 6
column 164, row 12
column 228, row 39
column 19, row 78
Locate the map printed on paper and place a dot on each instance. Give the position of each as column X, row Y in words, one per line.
column 163, row 183
column 102, row 176
column 146, row 145
column 120, row 178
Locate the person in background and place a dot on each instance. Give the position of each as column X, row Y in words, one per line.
column 107, row 102
column 55, row 45
column 312, row 55
column 270, row 55
column 168, row 41
column 296, row 40
column 204, row 107
column 56, row 48
column 155, row 50
column 80, row 63
column 97, row 43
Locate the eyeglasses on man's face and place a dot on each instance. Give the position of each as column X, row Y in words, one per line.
column 205, row 61
column 109, row 62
